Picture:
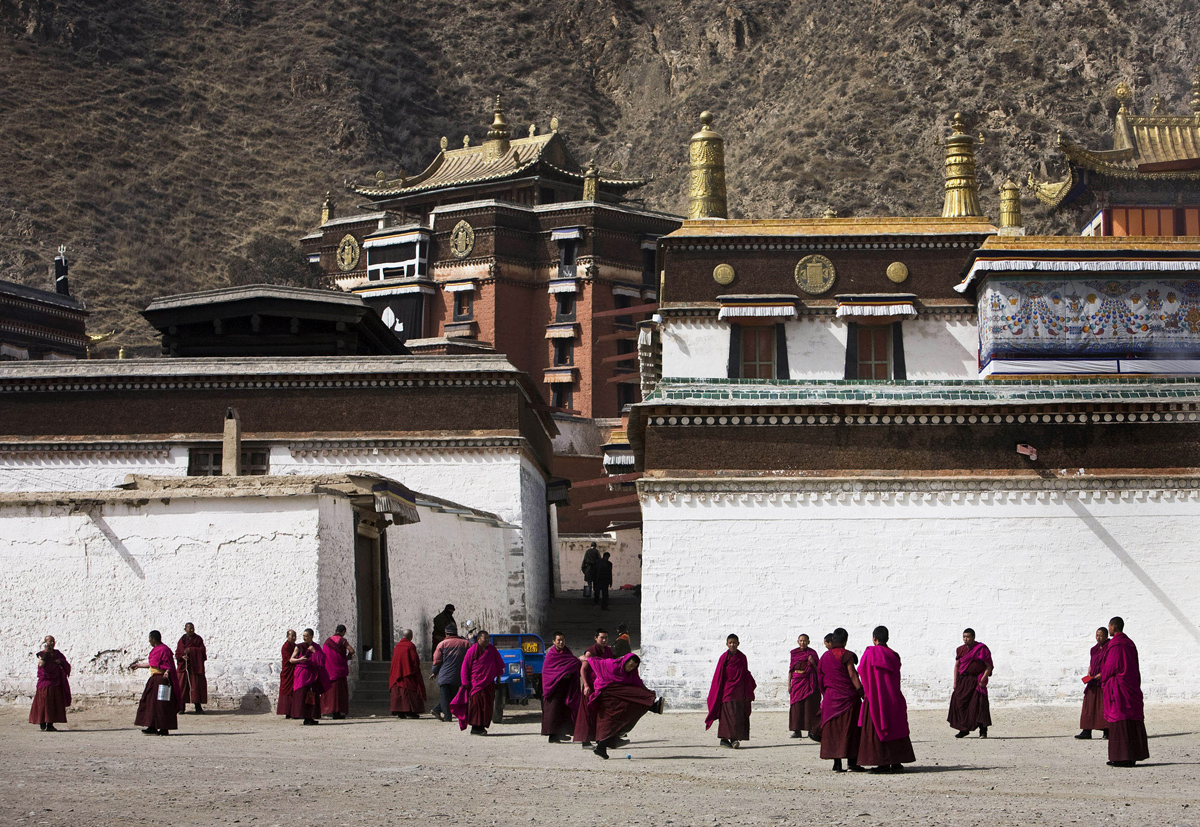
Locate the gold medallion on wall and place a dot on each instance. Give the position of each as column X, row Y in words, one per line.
column 723, row 274
column 815, row 274
column 462, row 240
column 897, row 271
column 347, row 253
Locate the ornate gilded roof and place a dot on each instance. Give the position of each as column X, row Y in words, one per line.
column 800, row 227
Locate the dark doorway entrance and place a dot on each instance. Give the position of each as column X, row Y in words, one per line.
column 373, row 594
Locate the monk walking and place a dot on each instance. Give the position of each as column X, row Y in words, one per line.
column 1123, row 708
column 585, row 721
column 476, row 698
column 804, row 691
column 158, row 710
column 615, row 689
column 283, row 705
column 53, row 693
column 336, row 702
column 1092, row 716
column 969, row 707
column 405, row 679
column 310, row 680
column 730, row 696
column 884, row 743
column 190, row 656
column 560, row 691
column 840, row 703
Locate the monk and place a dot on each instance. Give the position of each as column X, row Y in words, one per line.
column 804, row 691
column 476, row 698
column 969, row 707
column 585, row 721
column 1123, row 710
column 730, row 696
column 405, row 679
column 310, row 681
column 883, row 743
column 336, row 702
column 158, row 710
column 615, row 689
column 840, row 703
column 622, row 645
column 560, row 691
column 53, row 693
column 283, row 706
column 1092, row 716
column 190, row 656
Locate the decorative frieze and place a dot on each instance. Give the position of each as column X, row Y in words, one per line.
column 751, row 419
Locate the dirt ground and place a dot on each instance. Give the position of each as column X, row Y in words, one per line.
column 231, row 768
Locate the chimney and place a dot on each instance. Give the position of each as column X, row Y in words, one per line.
column 1011, row 222
column 231, row 445
column 62, row 284
column 706, row 172
column 962, row 188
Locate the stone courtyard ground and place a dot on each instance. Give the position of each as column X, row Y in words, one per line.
column 232, row 768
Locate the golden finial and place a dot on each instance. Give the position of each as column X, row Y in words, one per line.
column 554, row 124
column 380, row 178
column 497, row 142
column 706, row 172
column 962, row 188
column 466, row 140
column 532, row 129
column 444, row 143
column 1124, row 95
column 591, row 181
column 1156, row 105
column 1196, row 91
column 829, row 212
column 121, row 354
column 327, row 208
column 1010, row 207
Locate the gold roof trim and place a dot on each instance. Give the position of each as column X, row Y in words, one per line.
column 801, row 227
column 1053, row 243
column 1052, row 193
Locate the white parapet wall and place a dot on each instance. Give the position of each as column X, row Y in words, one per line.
column 1034, row 572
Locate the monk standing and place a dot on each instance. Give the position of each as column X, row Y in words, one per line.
column 476, row 698
column 190, row 656
column 405, row 679
column 804, row 691
column 969, row 707
column 840, row 703
column 53, row 693
column 1123, row 708
column 730, row 696
column 283, row 705
column 585, row 721
column 158, row 710
column 615, row 689
column 884, row 743
column 310, row 680
column 1092, row 716
column 336, row 702
column 560, row 691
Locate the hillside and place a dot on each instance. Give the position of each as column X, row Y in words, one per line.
column 158, row 139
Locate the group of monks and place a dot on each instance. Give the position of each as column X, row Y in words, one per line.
column 313, row 679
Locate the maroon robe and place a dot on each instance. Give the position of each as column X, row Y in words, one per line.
column 151, row 712
column 730, row 696
column 1123, row 703
column 585, row 720
column 190, row 656
column 309, row 681
column 969, row 707
column 53, row 693
column 619, row 697
column 405, row 680
column 840, row 704
column 283, row 705
column 336, row 700
column 884, row 739
column 476, row 698
column 1092, row 715
column 804, row 692
column 560, row 692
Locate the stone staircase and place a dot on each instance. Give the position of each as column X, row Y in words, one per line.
column 575, row 616
column 371, row 695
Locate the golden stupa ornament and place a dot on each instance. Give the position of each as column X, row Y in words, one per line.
column 347, row 253
column 591, row 182
column 1010, row 207
column 962, row 187
column 706, row 172
column 498, row 136
column 327, row 207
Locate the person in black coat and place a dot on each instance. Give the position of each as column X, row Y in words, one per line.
column 603, row 579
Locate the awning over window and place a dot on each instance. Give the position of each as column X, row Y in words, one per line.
column 459, row 286
column 561, row 331
column 393, row 498
column 566, row 234
column 777, row 306
column 556, row 376
column 885, row 304
column 564, row 286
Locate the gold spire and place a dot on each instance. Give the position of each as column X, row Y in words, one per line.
column 706, row 172
column 591, row 181
column 327, row 208
column 962, row 188
column 1122, row 132
column 498, row 135
column 1196, row 92
column 1011, row 222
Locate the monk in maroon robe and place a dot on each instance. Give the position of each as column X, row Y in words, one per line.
column 53, row 693
column 190, row 656
column 476, row 698
column 560, row 691
column 405, row 680
column 804, row 691
column 615, row 689
column 840, row 703
column 730, row 696
column 969, row 707
column 336, row 702
column 158, row 710
column 585, row 721
column 283, row 705
column 1123, row 706
column 309, row 681
column 1092, row 716
column 884, row 743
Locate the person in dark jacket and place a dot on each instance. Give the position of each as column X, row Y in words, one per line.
column 603, row 579
column 622, row 645
column 591, row 558
column 440, row 621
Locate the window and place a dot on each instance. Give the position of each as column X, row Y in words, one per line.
column 627, row 394
column 206, row 462
column 648, row 259
column 758, row 352
column 564, row 352
column 875, row 352
column 565, row 311
column 560, row 395
column 464, row 305
column 568, row 249
column 623, row 321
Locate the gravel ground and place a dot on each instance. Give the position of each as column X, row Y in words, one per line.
column 232, row 768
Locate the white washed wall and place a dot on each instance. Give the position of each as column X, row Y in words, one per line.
column 696, row 348
column 534, row 556
column 87, row 473
column 1033, row 574
column 243, row 570
column 942, row 347
column 624, row 546
column 816, row 348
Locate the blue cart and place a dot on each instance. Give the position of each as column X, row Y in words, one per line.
column 523, row 655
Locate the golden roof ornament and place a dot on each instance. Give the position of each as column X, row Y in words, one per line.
column 498, row 136
column 591, row 181
column 962, row 187
column 1124, row 95
column 1156, row 105
column 554, row 124
column 1122, row 132
column 532, row 130
column 327, row 207
column 466, row 141
column 1011, row 222
column 706, row 172
column 1196, row 92
column 444, row 143
column 829, row 212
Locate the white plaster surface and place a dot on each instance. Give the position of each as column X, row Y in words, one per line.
column 535, row 551
column 816, row 348
column 697, row 348
column 624, row 546
column 1033, row 574
column 85, row 472
column 941, row 348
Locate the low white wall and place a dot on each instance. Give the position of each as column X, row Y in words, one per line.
column 1033, row 573
column 941, row 347
column 816, row 348
column 86, row 472
column 696, row 348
